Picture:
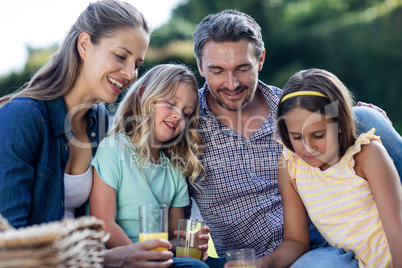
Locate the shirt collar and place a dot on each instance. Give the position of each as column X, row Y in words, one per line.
column 202, row 94
column 58, row 116
column 92, row 118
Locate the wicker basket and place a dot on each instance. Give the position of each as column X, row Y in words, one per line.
column 68, row 243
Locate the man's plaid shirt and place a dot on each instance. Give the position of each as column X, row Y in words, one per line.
column 240, row 199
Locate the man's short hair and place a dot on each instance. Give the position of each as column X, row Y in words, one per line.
column 227, row 26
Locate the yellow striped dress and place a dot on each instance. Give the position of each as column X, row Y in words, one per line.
column 341, row 205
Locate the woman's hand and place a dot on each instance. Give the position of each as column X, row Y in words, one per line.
column 140, row 255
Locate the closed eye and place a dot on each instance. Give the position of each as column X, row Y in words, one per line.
column 120, row 57
column 138, row 64
column 244, row 69
column 215, row 70
column 319, row 136
column 170, row 104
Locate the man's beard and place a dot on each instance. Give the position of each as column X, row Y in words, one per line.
column 236, row 105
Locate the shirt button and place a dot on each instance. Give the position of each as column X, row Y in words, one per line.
column 93, row 134
column 260, row 196
column 267, row 215
column 251, row 174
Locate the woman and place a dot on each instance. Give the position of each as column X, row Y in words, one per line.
column 51, row 128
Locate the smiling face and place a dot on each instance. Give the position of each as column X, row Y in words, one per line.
column 231, row 71
column 112, row 65
column 314, row 137
column 173, row 112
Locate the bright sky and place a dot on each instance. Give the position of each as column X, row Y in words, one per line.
column 42, row 23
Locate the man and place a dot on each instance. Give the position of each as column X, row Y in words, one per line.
column 240, row 200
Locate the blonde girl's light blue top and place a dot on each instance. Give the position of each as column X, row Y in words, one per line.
column 117, row 164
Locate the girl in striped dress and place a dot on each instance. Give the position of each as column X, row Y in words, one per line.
column 346, row 185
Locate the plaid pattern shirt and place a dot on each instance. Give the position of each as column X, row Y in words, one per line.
column 240, row 199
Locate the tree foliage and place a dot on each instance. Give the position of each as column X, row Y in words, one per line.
column 358, row 40
column 16, row 80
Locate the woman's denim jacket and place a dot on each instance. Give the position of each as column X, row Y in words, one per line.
column 34, row 154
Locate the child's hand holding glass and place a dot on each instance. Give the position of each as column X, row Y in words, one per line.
column 192, row 239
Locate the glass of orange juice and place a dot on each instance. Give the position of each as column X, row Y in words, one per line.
column 153, row 222
column 241, row 258
column 187, row 238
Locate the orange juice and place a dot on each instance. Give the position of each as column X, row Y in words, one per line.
column 193, row 252
column 149, row 236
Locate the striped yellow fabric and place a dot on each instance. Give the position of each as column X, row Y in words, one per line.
column 342, row 207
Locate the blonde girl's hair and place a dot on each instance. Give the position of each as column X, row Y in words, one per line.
column 134, row 117
column 337, row 103
column 100, row 19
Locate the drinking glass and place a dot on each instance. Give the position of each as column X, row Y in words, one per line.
column 187, row 238
column 153, row 222
column 241, row 258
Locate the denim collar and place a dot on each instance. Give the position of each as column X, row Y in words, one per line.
column 58, row 116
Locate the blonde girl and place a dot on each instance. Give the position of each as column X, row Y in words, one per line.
column 347, row 185
column 153, row 145
column 134, row 118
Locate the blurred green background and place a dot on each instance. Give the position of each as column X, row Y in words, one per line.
column 358, row 40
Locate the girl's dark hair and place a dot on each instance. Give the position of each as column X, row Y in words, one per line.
column 338, row 105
